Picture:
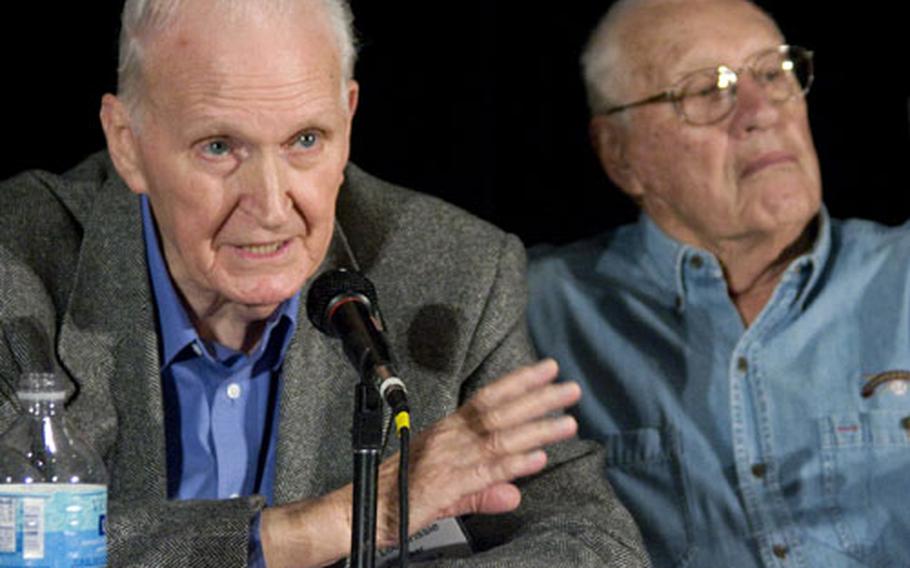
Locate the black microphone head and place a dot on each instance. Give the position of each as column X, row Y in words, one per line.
column 329, row 287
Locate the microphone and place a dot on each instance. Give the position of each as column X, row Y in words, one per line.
column 342, row 303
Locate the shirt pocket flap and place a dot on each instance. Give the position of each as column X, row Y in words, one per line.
column 860, row 429
column 643, row 445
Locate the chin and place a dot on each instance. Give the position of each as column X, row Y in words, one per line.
column 790, row 203
column 787, row 223
column 265, row 296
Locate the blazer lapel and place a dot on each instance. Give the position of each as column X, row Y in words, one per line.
column 317, row 403
column 109, row 346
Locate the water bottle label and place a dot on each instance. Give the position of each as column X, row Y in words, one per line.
column 53, row 525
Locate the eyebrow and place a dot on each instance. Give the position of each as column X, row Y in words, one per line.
column 208, row 125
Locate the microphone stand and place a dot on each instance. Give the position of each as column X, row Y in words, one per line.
column 366, row 441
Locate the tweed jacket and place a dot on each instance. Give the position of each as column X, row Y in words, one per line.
column 72, row 266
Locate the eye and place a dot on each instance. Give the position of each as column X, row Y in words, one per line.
column 217, row 147
column 306, row 140
column 708, row 91
column 704, row 87
column 772, row 74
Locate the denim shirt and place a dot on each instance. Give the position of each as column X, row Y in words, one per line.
column 733, row 446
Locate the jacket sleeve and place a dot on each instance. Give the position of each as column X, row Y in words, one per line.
column 211, row 533
column 146, row 532
column 569, row 515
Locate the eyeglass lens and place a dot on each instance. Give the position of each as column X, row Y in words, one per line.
column 707, row 96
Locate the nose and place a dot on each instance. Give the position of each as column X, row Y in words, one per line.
column 755, row 110
column 265, row 196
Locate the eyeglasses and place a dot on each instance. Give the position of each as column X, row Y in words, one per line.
column 708, row 95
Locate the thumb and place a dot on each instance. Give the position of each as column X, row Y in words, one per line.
column 499, row 498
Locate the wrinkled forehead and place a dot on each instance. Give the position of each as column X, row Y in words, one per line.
column 210, row 48
column 668, row 40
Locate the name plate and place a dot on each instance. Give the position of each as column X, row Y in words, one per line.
column 443, row 539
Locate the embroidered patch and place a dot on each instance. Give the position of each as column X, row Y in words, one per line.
column 898, row 382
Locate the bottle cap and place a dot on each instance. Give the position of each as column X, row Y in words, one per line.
column 40, row 386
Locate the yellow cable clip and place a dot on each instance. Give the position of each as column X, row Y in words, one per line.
column 402, row 420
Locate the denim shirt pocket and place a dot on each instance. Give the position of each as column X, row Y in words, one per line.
column 645, row 468
column 865, row 457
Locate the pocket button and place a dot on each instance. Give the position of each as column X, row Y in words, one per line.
column 780, row 551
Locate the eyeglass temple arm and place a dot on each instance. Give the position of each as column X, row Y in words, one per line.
column 666, row 96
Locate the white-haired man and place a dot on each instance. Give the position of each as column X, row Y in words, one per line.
column 165, row 277
column 745, row 358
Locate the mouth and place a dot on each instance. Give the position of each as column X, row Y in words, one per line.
column 259, row 251
column 766, row 161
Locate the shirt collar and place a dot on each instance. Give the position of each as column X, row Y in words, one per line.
column 810, row 265
column 175, row 328
column 667, row 257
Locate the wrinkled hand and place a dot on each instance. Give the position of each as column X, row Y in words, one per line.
column 463, row 464
column 466, row 462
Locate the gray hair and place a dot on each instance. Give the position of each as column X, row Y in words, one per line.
column 604, row 60
column 141, row 18
column 602, row 57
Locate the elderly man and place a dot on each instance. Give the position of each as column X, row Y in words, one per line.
column 164, row 280
column 745, row 358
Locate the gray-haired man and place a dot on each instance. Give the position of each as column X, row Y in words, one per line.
column 167, row 276
column 745, row 358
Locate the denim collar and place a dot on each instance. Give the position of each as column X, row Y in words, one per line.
column 665, row 259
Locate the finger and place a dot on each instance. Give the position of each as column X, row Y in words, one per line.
column 515, row 384
column 530, row 406
column 503, row 470
column 482, row 476
column 530, row 436
column 492, row 458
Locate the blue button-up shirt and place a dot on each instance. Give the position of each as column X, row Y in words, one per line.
column 733, row 446
column 221, row 410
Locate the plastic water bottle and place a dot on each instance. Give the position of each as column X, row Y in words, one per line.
column 53, row 487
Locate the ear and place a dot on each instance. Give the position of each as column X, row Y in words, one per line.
column 610, row 140
column 122, row 144
column 353, row 96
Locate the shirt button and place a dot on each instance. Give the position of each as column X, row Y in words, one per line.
column 780, row 551
column 742, row 365
column 759, row 470
column 233, row 391
column 696, row 262
column 196, row 349
column 906, row 424
column 235, row 495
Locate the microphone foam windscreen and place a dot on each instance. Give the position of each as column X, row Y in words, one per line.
column 331, row 285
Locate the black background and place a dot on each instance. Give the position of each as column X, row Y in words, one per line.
column 480, row 102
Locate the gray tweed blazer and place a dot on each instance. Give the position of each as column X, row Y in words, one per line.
column 74, row 294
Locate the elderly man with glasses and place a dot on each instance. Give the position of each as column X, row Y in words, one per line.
column 745, row 357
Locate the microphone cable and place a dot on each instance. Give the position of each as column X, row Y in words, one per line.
column 404, row 442
column 402, row 423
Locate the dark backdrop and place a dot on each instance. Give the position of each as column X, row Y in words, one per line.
column 479, row 102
